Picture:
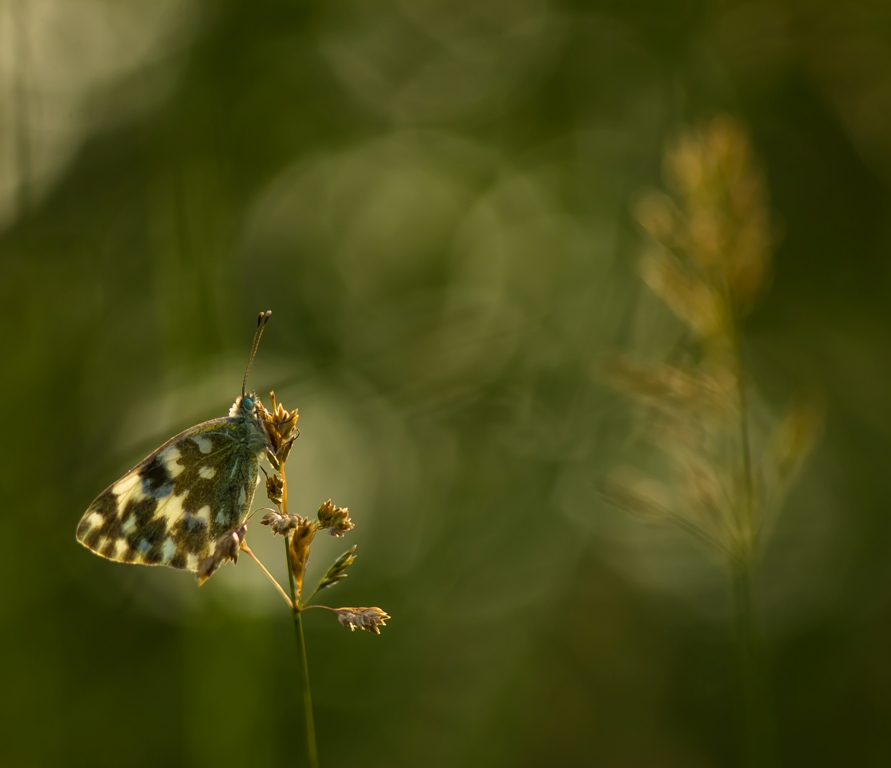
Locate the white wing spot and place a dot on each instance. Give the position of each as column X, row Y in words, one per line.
column 207, row 472
column 192, row 562
column 203, row 443
column 241, row 497
column 203, row 514
column 129, row 525
column 234, row 467
column 120, row 547
column 95, row 520
column 168, row 550
column 170, row 458
column 172, row 509
column 143, row 547
column 129, row 486
column 221, row 517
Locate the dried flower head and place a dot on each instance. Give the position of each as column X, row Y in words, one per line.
column 335, row 519
column 226, row 549
column 369, row 619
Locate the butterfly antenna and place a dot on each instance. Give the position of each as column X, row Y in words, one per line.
column 262, row 319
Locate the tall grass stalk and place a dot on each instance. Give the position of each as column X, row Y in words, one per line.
column 298, row 533
column 708, row 261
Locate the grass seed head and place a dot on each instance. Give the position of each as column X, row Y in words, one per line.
column 369, row 619
column 335, row 519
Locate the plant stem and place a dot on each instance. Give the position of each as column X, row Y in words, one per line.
column 311, row 749
column 247, row 550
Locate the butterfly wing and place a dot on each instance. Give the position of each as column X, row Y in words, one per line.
column 171, row 508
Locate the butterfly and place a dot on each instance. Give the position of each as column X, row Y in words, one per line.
column 174, row 506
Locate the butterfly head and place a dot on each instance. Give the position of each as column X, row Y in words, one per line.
column 245, row 406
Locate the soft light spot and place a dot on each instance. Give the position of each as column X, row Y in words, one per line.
column 204, row 444
column 207, row 472
column 95, row 520
column 168, row 550
column 119, row 548
column 129, row 525
column 192, row 562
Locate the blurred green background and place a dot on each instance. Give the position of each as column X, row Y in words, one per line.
column 435, row 199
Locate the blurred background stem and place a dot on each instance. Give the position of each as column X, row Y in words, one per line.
column 756, row 706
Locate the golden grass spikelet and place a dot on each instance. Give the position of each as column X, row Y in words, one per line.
column 275, row 487
column 796, row 435
column 695, row 302
column 298, row 551
column 657, row 213
column 280, row 524
column 668, row 386
column 701, row 486
column 281, row 427
column 636, row 494
column 708, row 262
column 335, row 519
column 338, row 568
column 718, row 222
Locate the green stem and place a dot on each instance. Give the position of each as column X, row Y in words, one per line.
column 291, row 583
column 311, row 749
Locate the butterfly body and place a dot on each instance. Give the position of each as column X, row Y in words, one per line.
column 173, row 506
